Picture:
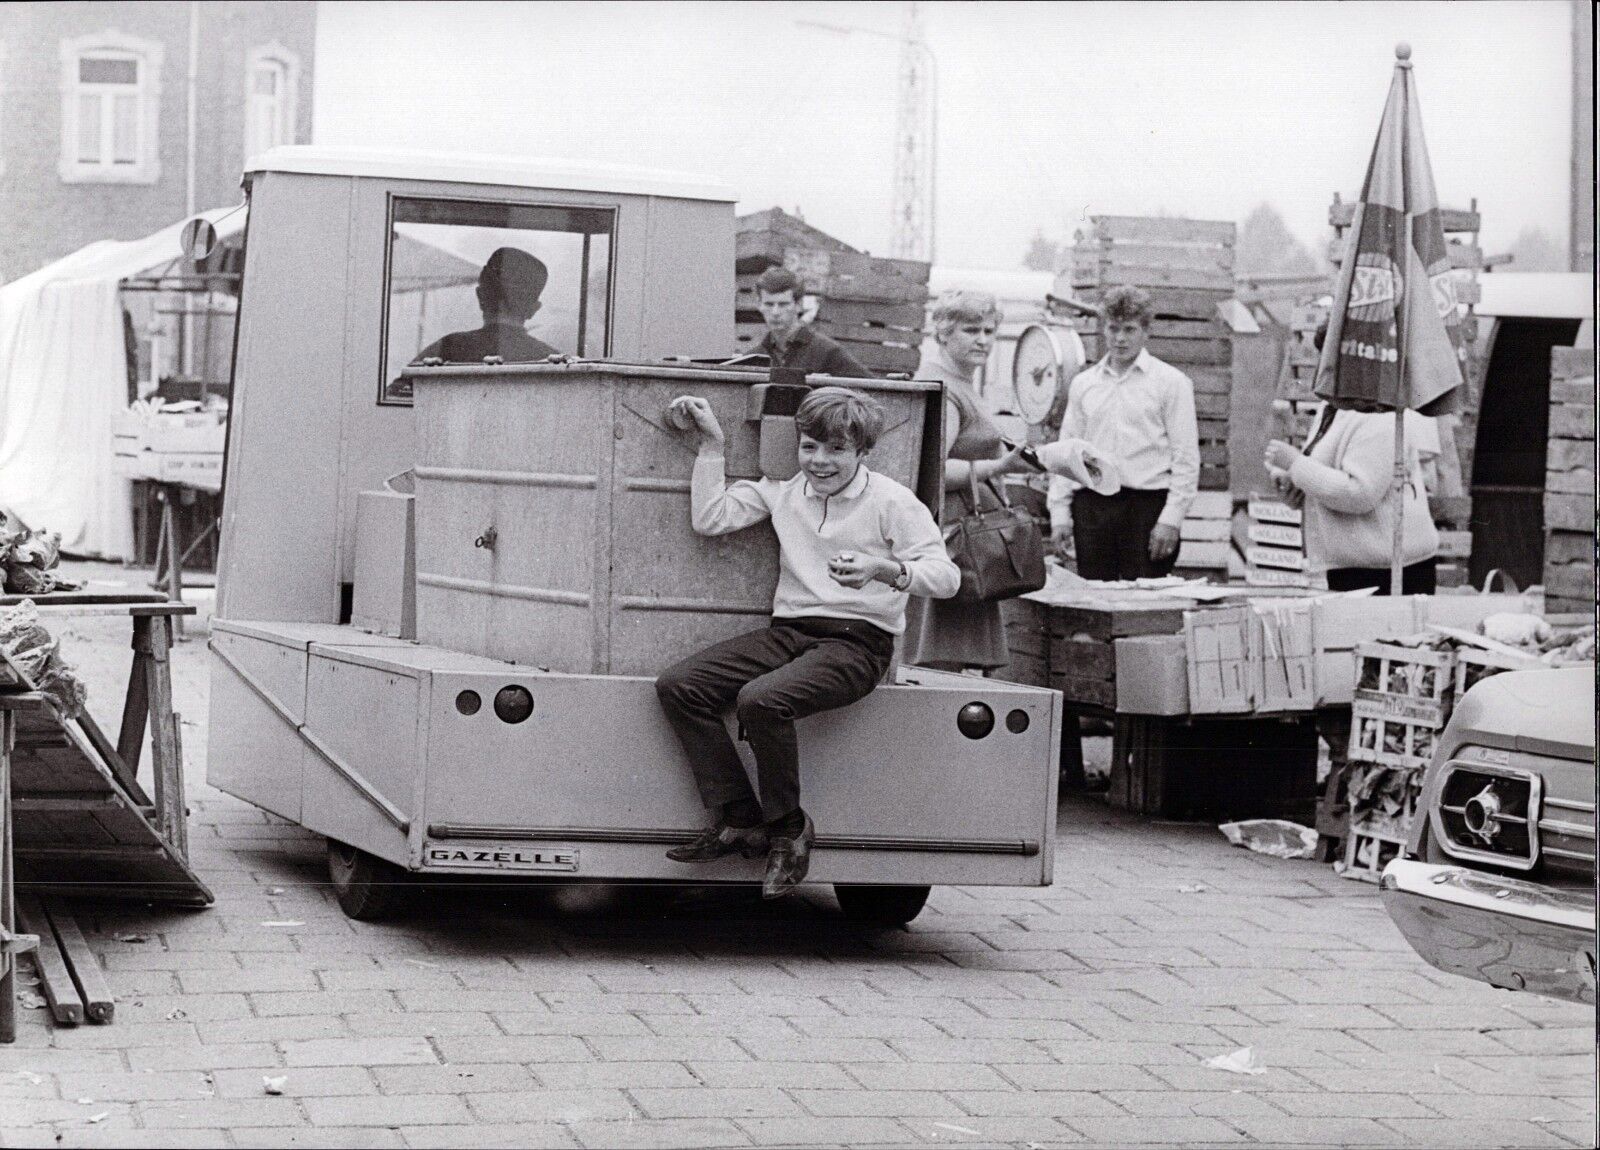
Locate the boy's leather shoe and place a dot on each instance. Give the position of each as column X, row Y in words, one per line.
column 721, row 840
column 788, row 861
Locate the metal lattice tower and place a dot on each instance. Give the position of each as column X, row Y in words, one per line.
column 912, row 229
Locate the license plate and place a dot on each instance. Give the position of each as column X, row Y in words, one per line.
column 500, row 856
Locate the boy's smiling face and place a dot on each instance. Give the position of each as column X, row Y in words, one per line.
column 830, row 465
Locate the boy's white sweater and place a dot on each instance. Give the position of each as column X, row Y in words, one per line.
column 872, row 515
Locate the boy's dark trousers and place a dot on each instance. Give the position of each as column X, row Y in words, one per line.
column 784, row 672
column 1111, row 534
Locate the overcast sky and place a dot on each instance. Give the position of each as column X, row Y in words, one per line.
column 1047, row 112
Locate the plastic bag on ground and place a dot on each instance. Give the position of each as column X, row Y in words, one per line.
column 1276, row 837
column 1241, row 1061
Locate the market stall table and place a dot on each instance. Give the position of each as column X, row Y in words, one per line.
column 83, row 823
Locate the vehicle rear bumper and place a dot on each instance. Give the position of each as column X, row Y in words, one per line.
column 1507, row 932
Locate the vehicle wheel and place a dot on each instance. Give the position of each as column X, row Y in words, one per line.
column 881, row 905
column 368, row 888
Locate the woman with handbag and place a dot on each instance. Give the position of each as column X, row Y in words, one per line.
column 965, row 632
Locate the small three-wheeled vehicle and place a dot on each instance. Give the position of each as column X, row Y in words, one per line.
column 444, row 591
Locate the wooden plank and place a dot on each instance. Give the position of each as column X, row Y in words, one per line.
column 1568, row 547
column 1211, row 505
column 1578, row 481
column 166, row 763
column 1163, row 230
column 1151, row 275
column 1342, row 213
column 1095, row 692
column 1209, row 379
column 1152, row 255
column 1569, row 512
column 1114, row 620
column 1572, row 362
column 859, row 313
column 1083, row 658
column 1579, row 390
column 1203, row 555
column 55, row 976
column 1464, row 255
column 1571, row 421
column 1214, row 478
column 1205, row 530
column 1570, row 580
column 1566, row 454
column 86, row 598
column 1212, row 405
column 1455, row 544
column 98, row 1003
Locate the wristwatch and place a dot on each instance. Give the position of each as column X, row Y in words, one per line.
column 902, row 580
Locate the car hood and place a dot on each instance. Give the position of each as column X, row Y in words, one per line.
column 1543, row 712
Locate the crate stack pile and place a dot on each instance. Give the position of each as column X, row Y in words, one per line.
column 1452, row 506
column 1298, row 375
column 1276, row 556
column 1569, row 499
column 1187, row 268
column 874, row 307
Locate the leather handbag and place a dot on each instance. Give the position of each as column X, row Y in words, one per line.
column 998, row 549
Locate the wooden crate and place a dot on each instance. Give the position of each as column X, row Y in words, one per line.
column 1474, row 665
column 1218, row 768
column 1367, row 852
column 1081, row 658
column 1402, row 701
column 1283, row 657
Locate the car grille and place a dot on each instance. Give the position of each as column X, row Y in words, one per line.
column 1489, row 813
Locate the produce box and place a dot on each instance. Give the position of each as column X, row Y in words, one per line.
column 1217, row 643
column 1402, row 700
column 1283, row 656
column 1152, row 675
column 1474, row 665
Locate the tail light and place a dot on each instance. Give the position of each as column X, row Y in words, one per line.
column 1489, row 814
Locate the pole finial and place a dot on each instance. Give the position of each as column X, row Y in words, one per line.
column 1402, row 54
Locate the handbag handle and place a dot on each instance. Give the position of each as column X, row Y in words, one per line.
column 972, row 487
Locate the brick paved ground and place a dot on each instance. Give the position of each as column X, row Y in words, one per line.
column 1078, row 1015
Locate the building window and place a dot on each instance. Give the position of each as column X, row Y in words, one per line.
column 110, row 108
column 468, row 279
column 272, row 75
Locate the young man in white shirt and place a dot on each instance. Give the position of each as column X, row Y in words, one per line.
column 1138, row 411
column 853, row 545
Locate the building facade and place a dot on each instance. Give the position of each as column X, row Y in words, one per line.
column 119, row 118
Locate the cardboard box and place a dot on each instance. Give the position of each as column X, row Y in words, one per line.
column 1465, row 611
column 1283, row 657
column 1152, row 675
column 1339, row 622
column 1334, row 677
column 202, row 470
column 1217, row 644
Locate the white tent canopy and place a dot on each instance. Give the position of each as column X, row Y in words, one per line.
column 64, row 379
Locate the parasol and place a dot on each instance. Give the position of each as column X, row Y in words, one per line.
column 1394, row 336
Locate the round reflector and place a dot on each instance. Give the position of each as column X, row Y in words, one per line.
column 513, row 704
column 975, row 720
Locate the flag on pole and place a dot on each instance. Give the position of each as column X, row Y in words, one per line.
column 1394, row 336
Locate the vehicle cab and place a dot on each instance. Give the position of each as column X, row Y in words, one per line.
column 1497, row 882
column 448, row 579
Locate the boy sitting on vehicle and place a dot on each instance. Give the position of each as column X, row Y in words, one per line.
column 853, row 545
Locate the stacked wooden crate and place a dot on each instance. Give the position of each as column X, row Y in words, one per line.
column 1298, row 375
column 1276, row 556
column 874, row 307
column 1452, row 506
column 1187, row 268
column 1569, row 499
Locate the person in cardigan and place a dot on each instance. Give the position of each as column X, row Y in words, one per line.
column 852, row 545
column 1346, row 475
column 949, row 634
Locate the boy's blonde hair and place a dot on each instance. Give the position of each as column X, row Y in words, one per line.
column 834, row 414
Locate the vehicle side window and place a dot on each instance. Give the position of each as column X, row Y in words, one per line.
column 466, row 280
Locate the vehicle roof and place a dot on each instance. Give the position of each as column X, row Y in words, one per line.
column 487, row 168
column 1544, row 711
